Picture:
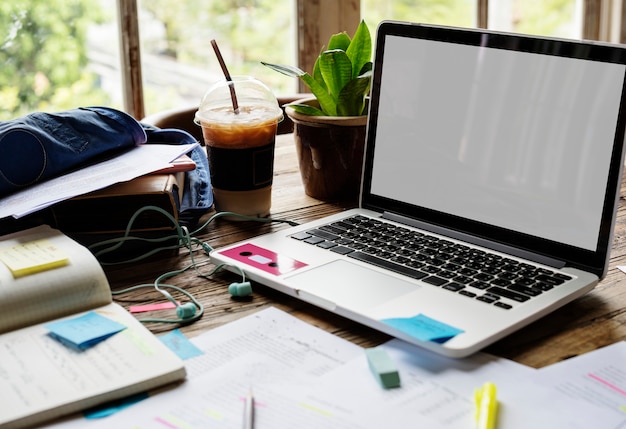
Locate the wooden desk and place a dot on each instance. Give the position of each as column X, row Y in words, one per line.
column 593, row 321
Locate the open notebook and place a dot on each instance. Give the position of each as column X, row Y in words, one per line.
column 491, row 177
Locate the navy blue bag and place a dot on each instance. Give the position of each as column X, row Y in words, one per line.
column 40, row 146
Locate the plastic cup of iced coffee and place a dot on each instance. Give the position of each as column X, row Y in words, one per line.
column 240, row 144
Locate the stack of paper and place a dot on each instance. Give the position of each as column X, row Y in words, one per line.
column 306, row 378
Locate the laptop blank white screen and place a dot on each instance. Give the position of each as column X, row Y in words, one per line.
column 518, row 140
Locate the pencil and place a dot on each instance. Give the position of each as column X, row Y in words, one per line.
column 248, row 411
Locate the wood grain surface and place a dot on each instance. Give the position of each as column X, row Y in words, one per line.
column 592, row 321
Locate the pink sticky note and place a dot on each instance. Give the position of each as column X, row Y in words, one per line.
column 151, row 307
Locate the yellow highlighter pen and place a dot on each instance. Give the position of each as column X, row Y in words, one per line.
column 486, row 406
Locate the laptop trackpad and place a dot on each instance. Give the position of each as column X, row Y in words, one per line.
column 346, row 284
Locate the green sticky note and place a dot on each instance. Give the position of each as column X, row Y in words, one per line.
column 424, row 328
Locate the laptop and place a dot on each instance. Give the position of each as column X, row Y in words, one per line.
column 491, row 178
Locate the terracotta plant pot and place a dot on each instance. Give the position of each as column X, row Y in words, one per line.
column 330, row 153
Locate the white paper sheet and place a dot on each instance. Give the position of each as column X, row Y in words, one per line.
column 597, row 377
column 442, row 389
column 304, row 377
column 140, row 160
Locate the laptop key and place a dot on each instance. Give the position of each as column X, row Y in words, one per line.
column 435, row 281
column 505, row 293
column 479, row 285
column 332, row 229
column 543, row 286
column 313, row 240
column 344, row 242
column 454, row 287
column 391, row 266
column 327, row 244
column 342, row 250
column 301, row 235
column 500, row 282
column 324, row 234
column 503, row 305
column 489, row 299
column 531, row 291
column 555, row 281
column 431, row 269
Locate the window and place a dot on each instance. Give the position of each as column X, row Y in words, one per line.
column 60, row 54
column 560, row 18
column 50, row 56
column 178, row 62
column 461, row 13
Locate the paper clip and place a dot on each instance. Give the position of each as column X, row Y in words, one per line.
column 486, row 406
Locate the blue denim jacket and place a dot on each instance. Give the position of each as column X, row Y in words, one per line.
column 40, row 146
column 197, row 191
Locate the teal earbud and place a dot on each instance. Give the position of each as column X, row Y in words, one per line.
column 186, row 311
column 240, row 289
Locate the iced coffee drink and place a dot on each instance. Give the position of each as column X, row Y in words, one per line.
column 240, row 145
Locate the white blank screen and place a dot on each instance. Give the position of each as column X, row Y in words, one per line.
column 517, row 140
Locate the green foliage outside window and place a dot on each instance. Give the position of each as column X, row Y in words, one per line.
column 43, row 56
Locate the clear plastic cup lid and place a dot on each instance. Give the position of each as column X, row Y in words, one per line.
column 254, row 99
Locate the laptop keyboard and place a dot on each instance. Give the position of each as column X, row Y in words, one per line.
column 472, row 272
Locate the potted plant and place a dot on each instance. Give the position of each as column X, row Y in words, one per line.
column 329, row 128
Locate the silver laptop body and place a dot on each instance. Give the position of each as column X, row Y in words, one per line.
column 491, row 178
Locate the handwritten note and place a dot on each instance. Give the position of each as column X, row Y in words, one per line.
column 32, row 257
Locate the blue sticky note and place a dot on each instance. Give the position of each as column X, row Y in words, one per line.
column 113, row 407
column 179, row 344
column 424, row 328
column 84, row 331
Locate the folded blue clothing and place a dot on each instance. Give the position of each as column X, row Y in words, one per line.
column 197, row 193
column 40, row 146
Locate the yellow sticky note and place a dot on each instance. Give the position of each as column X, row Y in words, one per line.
column 32, row 257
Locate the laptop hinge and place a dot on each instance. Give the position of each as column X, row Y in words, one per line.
column 498, row 247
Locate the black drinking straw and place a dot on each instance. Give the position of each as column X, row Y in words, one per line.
column 231, row 85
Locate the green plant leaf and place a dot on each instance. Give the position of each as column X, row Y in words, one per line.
column 341, row 75
column 317, row 74
column 360, row 49
column 352, row 98
column 367, row 67
column 284, row 69
column 339, row 41
column 336, row 70
column 305, row 109
column 327, row 103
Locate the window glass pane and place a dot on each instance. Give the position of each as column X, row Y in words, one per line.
column 445, row 12
column 49, row 55
column 559, row 18
column 178, row 62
